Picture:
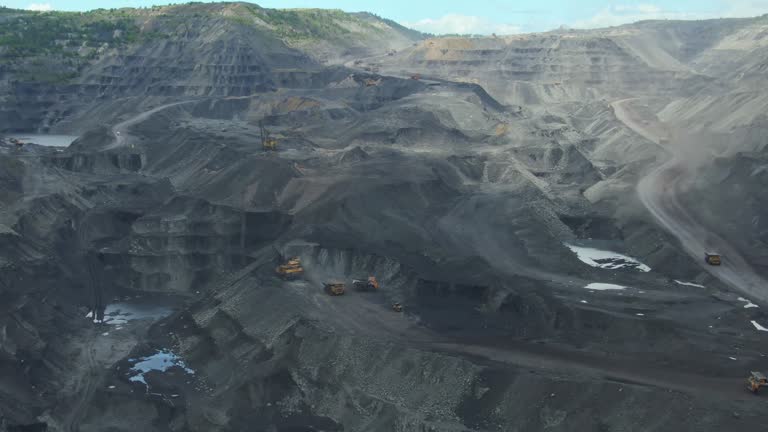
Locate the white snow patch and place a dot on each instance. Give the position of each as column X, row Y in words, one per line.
column 160, row 361
column 640, row 314
column 584, row 301
column 604, row 286
column 606, row 259
column 111, row 387
column 90, row 314
column 689, row 284
column 105, row 334
column 732, row 358
column 748, row 304
column 759, row 327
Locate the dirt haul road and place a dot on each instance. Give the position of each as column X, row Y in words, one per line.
column 659, row 192
column 368, row 314
column 119, row 130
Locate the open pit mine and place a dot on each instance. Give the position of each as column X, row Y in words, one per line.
column 221, row 217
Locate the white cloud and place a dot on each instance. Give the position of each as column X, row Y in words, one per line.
column 744, row 8
column 40, row 7
column 624, row 14
column 642, row 8
column 462, row 24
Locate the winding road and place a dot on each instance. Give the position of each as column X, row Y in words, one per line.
column 660, row 192
column 119, row 130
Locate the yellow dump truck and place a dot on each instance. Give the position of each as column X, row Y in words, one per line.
column 291, row 269
column 755, row 381
column 335, row 288
column 712, row 258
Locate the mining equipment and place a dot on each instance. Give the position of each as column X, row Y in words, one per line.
column 371, row 284
column 755, row 381
column 334, row 288
column 712, row 258
column 267, row 142
column 291, row 269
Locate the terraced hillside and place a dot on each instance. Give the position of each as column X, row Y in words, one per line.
column 538, row 205
column 64, row 62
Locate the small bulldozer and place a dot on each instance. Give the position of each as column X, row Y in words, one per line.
column 712, row 258
column 334, row 288
column 366, row 285
column 290, row 270
column 755, row 381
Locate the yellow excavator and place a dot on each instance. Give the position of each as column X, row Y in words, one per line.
column 267, row 142
column 291, row 269
column 335, row 288
column 755, row 381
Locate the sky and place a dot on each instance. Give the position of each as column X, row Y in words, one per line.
column 480, row 16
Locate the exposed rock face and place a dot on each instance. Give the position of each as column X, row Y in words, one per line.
column 464, row 192
column 232, row 49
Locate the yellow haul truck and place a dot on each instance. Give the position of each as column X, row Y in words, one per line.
column 334, row 288
column 290, row 270
column 755, row 381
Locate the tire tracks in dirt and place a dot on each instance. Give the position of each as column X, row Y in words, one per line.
column 85, row 386
column 660, row 192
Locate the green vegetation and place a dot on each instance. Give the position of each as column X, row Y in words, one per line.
column 309, row 24
column 32, row 44
column 54, row 33
column 52, row 46
column 413, row 34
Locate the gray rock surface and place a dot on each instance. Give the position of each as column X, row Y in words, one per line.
column 465, row 192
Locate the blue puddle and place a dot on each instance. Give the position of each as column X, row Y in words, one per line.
column 160, row 361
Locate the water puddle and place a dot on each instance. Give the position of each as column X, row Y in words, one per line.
column 606, row 259
column 160, row 361
column 45, row 140
column 122, row 312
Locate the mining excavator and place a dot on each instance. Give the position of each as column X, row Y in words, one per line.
column 334, row 288
column 267, row 142
column 290, row 270
column 366, row 285
column 712, row 258
column 755, row 381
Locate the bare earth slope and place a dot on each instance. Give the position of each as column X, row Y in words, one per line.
column 539, row 204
